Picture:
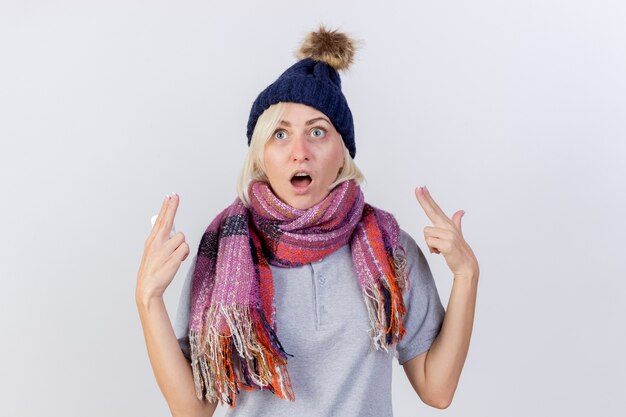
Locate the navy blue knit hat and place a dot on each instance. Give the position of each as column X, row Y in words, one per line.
column 314, row 81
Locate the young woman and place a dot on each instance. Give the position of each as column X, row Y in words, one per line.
column 300, row 293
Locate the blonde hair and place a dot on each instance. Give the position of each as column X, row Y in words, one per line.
column 253, row 167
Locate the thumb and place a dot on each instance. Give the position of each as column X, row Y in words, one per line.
column 456, row 218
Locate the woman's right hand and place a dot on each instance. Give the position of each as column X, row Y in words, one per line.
column 162, row 255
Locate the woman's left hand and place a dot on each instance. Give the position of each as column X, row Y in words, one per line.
column 446, row 236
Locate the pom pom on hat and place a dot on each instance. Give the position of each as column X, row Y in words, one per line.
column 330, row 46
column 314, row 81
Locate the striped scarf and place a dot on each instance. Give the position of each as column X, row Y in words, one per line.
column 232, row 299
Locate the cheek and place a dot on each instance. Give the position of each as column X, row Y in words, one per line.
column 338, row 157
column 334, row 161
column 273, row 167
column 269, row 161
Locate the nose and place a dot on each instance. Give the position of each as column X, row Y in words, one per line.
column 300, row 149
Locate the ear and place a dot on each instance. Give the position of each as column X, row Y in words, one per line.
column 340, row 168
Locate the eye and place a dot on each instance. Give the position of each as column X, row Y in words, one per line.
column 318, row 132
column 280, row 134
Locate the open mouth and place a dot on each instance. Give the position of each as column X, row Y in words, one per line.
column 301, row 180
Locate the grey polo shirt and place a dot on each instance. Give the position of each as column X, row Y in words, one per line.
column 322, row 321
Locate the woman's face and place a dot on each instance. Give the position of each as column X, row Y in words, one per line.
column 303, row 156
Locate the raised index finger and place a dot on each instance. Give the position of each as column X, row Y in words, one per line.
column 431, row 208
column 161, row 222
column 168, row 218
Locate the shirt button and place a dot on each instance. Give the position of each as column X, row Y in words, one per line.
column 322, row 280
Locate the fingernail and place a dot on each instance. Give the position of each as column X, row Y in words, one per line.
column 425, row 189
column 174, row 194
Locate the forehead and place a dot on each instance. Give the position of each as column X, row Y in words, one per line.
column 295, row 112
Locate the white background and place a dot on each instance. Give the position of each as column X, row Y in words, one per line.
column 513, row 111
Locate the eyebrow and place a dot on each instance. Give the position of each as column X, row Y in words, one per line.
column 310, row 122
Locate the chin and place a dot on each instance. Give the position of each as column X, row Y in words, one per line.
column 303, row 202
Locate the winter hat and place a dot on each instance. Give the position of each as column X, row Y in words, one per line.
column 314, row 81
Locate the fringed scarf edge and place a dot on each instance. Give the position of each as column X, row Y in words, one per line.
column 263, row 359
